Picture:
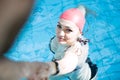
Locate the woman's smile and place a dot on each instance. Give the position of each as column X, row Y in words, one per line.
column 61, row 39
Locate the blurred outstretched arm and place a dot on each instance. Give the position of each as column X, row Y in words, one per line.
column 13, row 15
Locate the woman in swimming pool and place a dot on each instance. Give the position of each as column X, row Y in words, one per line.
column 71, row 48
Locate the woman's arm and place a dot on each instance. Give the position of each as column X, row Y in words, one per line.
column 69, row 62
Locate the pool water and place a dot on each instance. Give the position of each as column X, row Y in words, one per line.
column 102, row 23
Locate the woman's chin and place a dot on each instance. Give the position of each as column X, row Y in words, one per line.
column 62, row 42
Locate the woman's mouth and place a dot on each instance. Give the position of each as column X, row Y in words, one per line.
column 60, row 39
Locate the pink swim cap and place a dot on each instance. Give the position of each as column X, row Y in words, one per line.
column 75, row 15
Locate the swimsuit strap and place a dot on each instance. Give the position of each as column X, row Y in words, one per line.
column 93, row 67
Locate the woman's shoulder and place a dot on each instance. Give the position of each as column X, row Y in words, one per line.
column 53, row 44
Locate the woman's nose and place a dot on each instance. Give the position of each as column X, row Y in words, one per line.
column 62, row 33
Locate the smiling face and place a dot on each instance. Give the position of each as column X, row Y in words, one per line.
column 67, row 32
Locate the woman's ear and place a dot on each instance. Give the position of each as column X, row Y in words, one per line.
column 79, row 36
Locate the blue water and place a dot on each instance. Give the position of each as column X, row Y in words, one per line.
column 103, row 31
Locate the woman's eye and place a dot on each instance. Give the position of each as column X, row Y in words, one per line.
column 68, row 30
column 59, row 26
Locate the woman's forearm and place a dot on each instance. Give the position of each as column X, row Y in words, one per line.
column 67, row 64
